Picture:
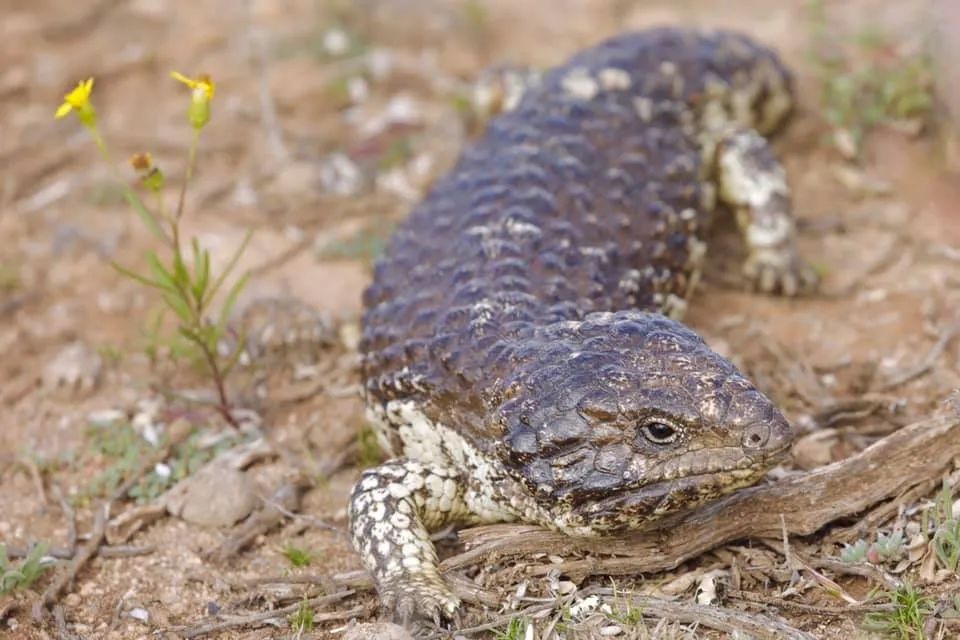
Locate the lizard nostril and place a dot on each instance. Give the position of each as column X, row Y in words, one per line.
column 756, row 436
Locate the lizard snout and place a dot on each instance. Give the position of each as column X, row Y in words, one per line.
column 767, row 437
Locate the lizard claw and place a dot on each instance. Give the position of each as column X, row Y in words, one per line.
column 411, row 604
column 780, row 271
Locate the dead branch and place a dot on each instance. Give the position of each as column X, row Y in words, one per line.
column 806, row 502
column 69, row 574
column 105, row 551
column 925, row 365
column 731, row 621
column 71, row 517
column 253, row 619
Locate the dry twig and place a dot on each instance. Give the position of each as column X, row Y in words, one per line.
column 89, row 549
column 252, row 619
column 925, row 365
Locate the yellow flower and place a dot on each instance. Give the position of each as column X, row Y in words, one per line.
column 202, row 83
column 79, row 100
column 203, row 89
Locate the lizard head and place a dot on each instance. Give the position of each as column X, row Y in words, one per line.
column 624, row 417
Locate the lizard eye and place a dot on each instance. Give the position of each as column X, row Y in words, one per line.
column 658, row 432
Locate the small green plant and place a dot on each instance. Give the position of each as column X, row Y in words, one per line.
column 625, row 611
column 516, row 630
column 906, row 619
column 183, row 279
column 10, row 279
column 854, row 553
column 303, row 619
column 298, row 557
column 369, row 453
column 110, row 353
column 628, row 614
column 121, row 447
column 26, row 572
column 870, row 85
column 946, row 536
column 887, row 547
column 365, row 244
column 123, row 450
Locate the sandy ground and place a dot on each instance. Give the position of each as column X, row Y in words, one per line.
column 331, row 118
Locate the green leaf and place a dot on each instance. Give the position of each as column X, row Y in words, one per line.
column 201, row 270
column 234, row 358
column 179, row 307
column 180, row 273
column 136, row 276
column 230, row 302
column 230, row 266
column 162, row 276
column 190, row 333
column 148, row 219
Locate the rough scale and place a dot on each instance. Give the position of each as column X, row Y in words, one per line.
column 522, row 353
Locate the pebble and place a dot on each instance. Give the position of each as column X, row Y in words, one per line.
column 376, row 631
column 140, row 614
column 215, row 496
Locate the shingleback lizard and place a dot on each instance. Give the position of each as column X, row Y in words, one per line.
column 522, row 350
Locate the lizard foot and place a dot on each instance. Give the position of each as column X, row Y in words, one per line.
column 416, row 599
column 780, row 271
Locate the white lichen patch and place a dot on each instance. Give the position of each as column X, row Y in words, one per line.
column 644, row 108
column 613, row 79
column 579, row 83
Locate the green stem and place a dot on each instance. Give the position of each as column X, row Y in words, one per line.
column 218, row 378
column 102, row 146
column 191, row 161
column 148, row 218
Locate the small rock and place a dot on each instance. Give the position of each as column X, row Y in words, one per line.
column 350, row 335
column 340, row 176
column 140, row 614
column 376, row 631
column 336, row 42
column 106, row 417
column 380, row 63
column 73, row 600
column 244, row 194
column 213, row 497
column 860, row 183
column 846, row 143
column 708, row 591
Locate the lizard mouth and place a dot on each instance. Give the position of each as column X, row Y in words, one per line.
column 688, row 483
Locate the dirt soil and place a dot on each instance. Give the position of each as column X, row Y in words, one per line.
column 330, row 120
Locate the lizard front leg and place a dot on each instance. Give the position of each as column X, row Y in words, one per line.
column 752, row 182
column 392, row 508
